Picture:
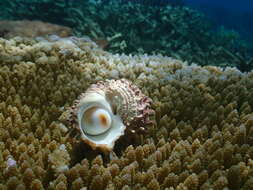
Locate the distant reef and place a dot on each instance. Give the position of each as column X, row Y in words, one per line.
column 32, row 29
column 140, row 26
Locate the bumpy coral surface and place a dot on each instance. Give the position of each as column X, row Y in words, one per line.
column 26, row 28
column 202, row 138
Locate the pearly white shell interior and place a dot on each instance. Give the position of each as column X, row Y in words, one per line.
column 101, row 137
column 96, row 120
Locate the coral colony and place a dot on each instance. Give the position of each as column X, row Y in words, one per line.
column 200, row 137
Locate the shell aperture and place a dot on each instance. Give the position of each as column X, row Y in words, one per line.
column 92, row 110
column 96, row 121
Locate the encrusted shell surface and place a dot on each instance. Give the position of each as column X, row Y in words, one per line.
column 107, row 110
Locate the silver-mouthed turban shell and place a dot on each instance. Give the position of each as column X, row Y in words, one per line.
column 107, row 110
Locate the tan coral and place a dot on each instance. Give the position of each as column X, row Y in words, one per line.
column 107, row 109
column 26, row 28
column 197, row 143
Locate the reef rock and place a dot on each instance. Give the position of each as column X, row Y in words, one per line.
column 26, row 28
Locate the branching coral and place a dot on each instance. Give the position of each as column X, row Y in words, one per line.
column 33, row 9
column 241, row 62
column 202, row 138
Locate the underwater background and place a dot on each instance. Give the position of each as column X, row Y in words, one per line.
column 203, row 32
column 232, row 14
column 182, row 72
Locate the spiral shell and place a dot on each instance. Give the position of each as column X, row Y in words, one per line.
column 106, row 110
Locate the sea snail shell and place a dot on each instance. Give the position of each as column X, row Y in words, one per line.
column 106, row 110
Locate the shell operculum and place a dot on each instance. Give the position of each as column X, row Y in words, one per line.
column 108, row 110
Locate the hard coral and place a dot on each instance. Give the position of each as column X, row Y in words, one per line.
column 26, row 28
column 202, row 138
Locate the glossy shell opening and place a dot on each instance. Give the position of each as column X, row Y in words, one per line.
column 107, row 138
column 95, row 121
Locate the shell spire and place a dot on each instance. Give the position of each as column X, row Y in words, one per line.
column 108, row 110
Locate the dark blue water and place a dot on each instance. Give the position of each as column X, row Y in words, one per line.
column 232, row 5
column 233, row 14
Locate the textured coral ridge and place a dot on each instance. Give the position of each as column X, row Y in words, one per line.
column 202, row 138
column 32, row 29
column 126, row 101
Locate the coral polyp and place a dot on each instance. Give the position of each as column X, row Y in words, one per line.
column 103, row 113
